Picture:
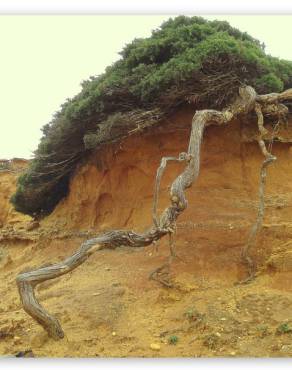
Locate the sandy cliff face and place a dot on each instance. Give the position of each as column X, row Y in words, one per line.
column 108, row 306
column 115, row 189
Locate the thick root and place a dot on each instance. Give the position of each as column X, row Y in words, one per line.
column 245, row 103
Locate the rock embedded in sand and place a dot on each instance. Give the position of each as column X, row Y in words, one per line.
column 16, row 340
column 155, row 346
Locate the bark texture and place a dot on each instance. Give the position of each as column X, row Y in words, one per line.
column 269, row 159
column 164, row 224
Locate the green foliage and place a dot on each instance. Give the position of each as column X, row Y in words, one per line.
column 284, row 328
column 269, row 82
column 90, row 140
column 173, row 339
column 187, row 60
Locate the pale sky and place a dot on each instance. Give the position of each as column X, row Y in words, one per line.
column 44, row 59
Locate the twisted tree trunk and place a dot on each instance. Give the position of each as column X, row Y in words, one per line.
column 163, row 225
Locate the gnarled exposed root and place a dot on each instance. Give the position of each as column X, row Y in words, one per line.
column 162, row 273
column 27, row 281
column 269, row 158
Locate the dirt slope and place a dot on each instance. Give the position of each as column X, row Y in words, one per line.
column 109, row 307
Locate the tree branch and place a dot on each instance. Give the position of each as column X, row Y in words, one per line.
column 245, row 103
column 27, row 281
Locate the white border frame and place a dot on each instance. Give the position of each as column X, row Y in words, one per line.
column 159, row 7
column 145, row 7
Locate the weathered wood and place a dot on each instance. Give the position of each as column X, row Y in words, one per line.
column 163, row 225
column 269, row 158
column 27, row 281
column 159, row 174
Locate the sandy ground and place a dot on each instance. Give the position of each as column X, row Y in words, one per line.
column 108, row 307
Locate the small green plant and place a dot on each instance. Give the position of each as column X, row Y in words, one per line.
column 263, row 330
column 173, row 339
column 284, row 328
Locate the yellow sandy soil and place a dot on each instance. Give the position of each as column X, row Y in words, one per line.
column 109, row 307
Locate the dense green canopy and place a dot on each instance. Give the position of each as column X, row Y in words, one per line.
column 188, row 60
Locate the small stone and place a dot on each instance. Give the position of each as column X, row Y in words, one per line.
column 155, row 346
column 223, row 319
column 114, row 333
column 16, row 340
column 95, row 294
column 232, row 353
column 27, row 353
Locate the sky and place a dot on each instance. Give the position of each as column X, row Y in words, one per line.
column 45, row 58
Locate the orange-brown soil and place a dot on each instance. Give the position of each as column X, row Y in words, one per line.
column 108, row 306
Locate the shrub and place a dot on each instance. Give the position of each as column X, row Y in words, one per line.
column 173, row 339
column 284, row 328
column 188, row 60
